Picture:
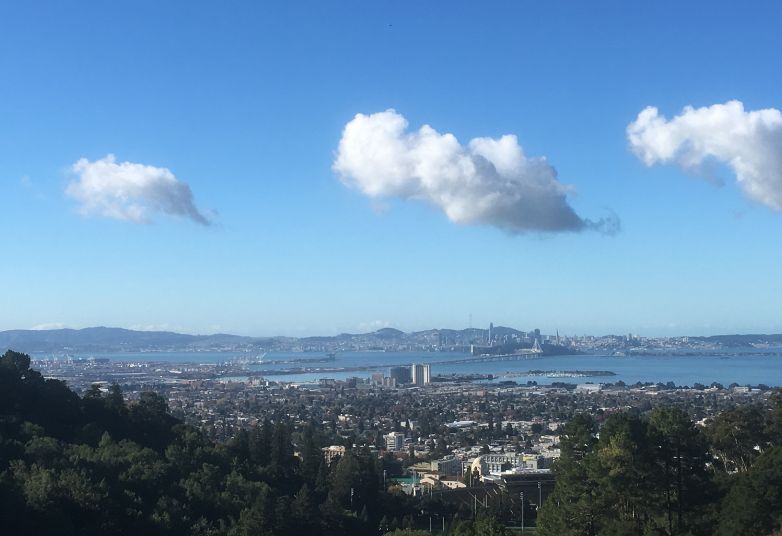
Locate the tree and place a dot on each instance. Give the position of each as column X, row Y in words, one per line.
column 152, row 424
column 681, row 455
column 487, row 525
column 15, row 362
column 323, row 480
column 93, row 392
column 115, row 402
column 257, row 518
column 260, row 444
column 754, row 503
column 311, row 456
column 571, row 509
column 623, row 471
column 643, row 476
column 738, row 436
column 774, row 425
column 282, row 460
column 384, row 526
column 462, row 528
column 344, row 480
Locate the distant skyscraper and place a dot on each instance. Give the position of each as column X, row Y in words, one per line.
column 395, row 441
column 491, row 333
column 420, row 374
column 402, row 375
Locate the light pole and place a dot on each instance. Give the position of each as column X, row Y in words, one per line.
column 522, row 511
column 540, row 495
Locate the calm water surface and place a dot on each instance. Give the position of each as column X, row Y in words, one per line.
column 680, row 369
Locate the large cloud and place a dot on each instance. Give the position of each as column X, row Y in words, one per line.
column 750, row 143
column 129, row 191
column 489, row 181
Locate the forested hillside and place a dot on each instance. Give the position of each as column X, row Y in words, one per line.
column 92, row 465
column 96, row 465
column 660, row 474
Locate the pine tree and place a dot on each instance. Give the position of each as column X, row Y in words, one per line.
column 754, row 503
column 323, row 480
column 312, row 456
column 681, row 455
column 571, row 508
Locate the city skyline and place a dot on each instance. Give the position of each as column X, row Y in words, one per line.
column 321, row 169
column 496, row 340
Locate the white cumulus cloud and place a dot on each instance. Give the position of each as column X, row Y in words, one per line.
column 488, row 181
column 750, row 143
column 129, row 191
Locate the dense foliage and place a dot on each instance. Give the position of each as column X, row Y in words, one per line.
column 93, row 465
column 661, row 474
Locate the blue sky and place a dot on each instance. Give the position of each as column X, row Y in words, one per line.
column 246, row 102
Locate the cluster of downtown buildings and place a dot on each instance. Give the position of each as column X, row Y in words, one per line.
column 468, row 467
column 416, row 374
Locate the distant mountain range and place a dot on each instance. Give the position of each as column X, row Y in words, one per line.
column 743, row 340
column 103, row 339
column 109, row 339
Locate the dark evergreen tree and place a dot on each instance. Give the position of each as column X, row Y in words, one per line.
column 572, row 509
column 754, row 504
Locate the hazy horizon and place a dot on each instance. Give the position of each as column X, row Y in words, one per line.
column 374, row 329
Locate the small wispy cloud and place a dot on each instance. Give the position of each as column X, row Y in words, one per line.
column 748, row 142
column 373, row 325
column 156, row 327
column 48, row 325
column 131, row 192
column 489, row 181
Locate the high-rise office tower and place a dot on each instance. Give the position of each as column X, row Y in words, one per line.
column 401, row 375
column 395, row 441
column 421, row 374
